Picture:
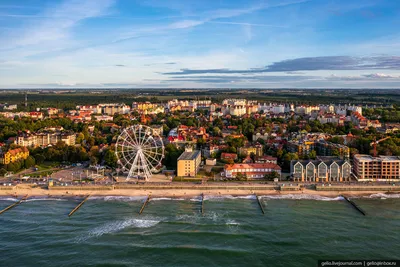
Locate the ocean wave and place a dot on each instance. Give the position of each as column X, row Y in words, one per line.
column 117, row 226
column 8, row 199
column 384, row 196
column 302, row 197
column 118, row 198
column 231, row 222
column 196, row 199
column 165, row 198
column 45, row 199
column 221, row 197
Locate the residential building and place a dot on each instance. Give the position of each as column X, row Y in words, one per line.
column 147, row 107
column 247, row 150
column 229, row 156
column 189, row 162
column 382, row 168
column 325, row 148
column 321, row 147
column 27, row 139
column 301, row 147
column 320, row 170
column 266, row 159
column 13, row 155
column 158, row 129
column 6, row 106
column 114, row 108
column 251, row 170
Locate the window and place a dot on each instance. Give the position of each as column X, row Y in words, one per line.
column 334, row 172
column 298, row 171
column 310, row 170
column 322, row 171
column 346, row 170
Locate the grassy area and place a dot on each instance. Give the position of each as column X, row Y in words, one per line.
column 47, row 165
column 38, row 174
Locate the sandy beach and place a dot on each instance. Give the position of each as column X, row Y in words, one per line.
column 37, row 192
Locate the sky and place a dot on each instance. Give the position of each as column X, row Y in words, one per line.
column 199, row 43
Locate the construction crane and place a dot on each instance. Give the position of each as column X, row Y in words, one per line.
column 373, row 144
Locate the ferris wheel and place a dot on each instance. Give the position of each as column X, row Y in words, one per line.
column 139, row 151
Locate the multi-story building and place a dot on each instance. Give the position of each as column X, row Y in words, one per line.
column 35, row 115
column 92, row 108
column 320, row 170
column 325, row 148
column 13, row 155
column 331, row 118
column 382, row 168
column 266, row 159
column 8, row 106
column 251, row 170
column 256, row 149
column 147, row 107
column 158, row 129
column 321, row 147
column 301, row 147
column 113, row 108
column 189, row 162
column 306, row 110
column 188, row 104
column 27, row 139
column 52, row 111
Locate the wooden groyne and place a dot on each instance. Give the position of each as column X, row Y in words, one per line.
column 354, row 205
column 144, row 204
column 202, row 203
column 79, row 205
column 14, row 204
column 260, row 204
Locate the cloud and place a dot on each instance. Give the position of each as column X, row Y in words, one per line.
column 380, row 76
column 241, row 79
column 247, row 24
column 310, row 64
column 56, row 22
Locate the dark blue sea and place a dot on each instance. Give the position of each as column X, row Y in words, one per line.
column 108, row 231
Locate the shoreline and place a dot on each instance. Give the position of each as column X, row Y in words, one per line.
column 180, row 193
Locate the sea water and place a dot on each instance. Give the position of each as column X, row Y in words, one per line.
column 296, row 230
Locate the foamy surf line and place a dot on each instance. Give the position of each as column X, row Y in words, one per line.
column 118, row 198
column 118, row 226
column 222, row 197
column 45, row 199
column 384, row 196
column 142, row 198
column 302, row 197
column 8, row 199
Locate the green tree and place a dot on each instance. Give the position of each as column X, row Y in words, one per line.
column 12, row 167
column 241, row 176
column 110, row 158
column 39, row 158
column 3, row 172
column 271, row 176
column 312, row 154
column 93, row 160
column 29, row 162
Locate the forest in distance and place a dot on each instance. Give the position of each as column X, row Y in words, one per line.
column 70, row 98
